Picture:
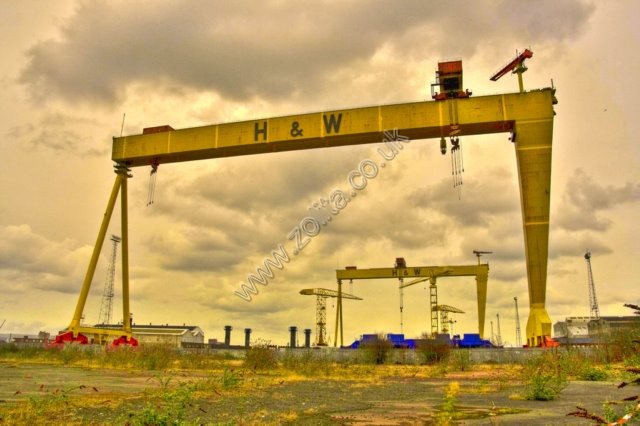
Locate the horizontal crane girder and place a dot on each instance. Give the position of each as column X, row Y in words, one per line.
column 448, row 308
column 416, row 120
column 413, row 272
column 327, row 293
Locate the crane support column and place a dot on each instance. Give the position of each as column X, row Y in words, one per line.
column 339, row 328
column 482, row 276
column 533, row 154
column 126, row 312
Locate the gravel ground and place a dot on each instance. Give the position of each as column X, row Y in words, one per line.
column 318, row 401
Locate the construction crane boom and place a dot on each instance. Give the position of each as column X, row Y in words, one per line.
column 511, row 65
column 594, row 310
column 327, row 293
column 516, row 66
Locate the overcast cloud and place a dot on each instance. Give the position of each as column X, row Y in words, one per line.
column 242, row 50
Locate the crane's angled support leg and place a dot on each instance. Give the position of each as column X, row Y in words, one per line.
column 88, row 277
column 481, row 286
column 533, row 153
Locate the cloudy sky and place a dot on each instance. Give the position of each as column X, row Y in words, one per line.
column 72, row 69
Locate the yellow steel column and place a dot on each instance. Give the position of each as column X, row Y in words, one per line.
column 88, row 277
column 433, row 303
column 533, row 153
column 481, row 286
column 338, row 317
column 124, row 232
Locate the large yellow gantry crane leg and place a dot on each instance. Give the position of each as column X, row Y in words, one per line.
column 528, row 115
column 533, row 153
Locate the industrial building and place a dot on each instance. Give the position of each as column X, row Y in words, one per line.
column 588, row 330
column 169, row 335
column 26, row 339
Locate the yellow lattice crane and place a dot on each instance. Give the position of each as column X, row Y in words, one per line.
column 527, row 115
column 445, row 310
column 321, row 309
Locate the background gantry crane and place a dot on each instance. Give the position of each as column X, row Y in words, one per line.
column 593, row 300
column 321, row 309
column 402, row 271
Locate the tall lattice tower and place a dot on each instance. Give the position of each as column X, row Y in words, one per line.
column 518, row 335
column 106, row 307
column 593, row 300
column 499, row 335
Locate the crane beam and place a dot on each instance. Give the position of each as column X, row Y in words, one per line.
column 416, row 120
column 413, row 272
column 327, row 293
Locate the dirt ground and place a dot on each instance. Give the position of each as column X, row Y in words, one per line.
column 101, row 396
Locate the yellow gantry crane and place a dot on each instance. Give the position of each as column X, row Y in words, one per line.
column 527, row 115
column 321, row 309
column 420, row 274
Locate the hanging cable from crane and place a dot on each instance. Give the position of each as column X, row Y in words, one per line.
column 153, row 176
column 457, row 165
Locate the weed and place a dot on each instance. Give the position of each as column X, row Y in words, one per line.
column 448, row 409
column 307, row 362
column 544, row 378
column 432, row 353
column 375, row 351
column 162, row 380
column 152, row 357
column 169, row 409
column 460, row 359
column 230, row 378
column 593, row 374
column 261, row 356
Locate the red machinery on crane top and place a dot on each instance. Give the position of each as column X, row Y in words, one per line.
column 449, row 81
column 514, row 64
